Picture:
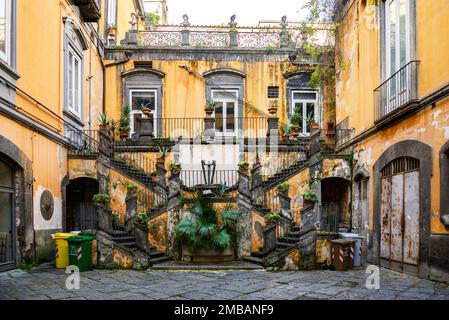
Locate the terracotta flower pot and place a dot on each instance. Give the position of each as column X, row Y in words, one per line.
column 112, row 32
column 103, row 127
column 272, row 110
column 209, row 111
column 124, row 135
column 146, row 112
column 160, row 160
column 295, row 134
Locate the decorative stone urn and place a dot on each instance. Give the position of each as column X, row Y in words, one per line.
column 207, row 256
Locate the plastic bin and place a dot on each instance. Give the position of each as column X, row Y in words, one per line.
column 61, row 249
column 80, row 252
column 342, row 254
column 358, row 238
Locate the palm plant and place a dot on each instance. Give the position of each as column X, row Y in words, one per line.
column 209, row 228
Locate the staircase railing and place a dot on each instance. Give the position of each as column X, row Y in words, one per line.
column 139, row 166
column 84, row 142
column 149, row 201
column 282, row 165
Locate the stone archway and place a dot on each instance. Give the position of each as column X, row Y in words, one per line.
column 22, row 201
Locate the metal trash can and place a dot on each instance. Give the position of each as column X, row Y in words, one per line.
column 358, row 238
column 80, row 252
column 61, row 249
column 342, row 252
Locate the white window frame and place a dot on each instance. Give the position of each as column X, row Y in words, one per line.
column 388, row 71
column 6, row 56
column 134, row 112
column 112, row 13
column 225, row 101
column 76, row 110
column 304, row 108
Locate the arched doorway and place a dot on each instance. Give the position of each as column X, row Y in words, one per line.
column 7, row 217
column 335, row 198
column 80, row 212
column 401, row 229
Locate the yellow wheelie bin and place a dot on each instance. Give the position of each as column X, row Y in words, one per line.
column 62, row 249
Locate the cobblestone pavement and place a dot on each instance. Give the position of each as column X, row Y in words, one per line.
column 48, row 283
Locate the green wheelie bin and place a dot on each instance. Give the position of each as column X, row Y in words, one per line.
column 80, row 251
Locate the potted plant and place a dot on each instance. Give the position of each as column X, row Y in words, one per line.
column 124, row 122
column 210, row 107
column 153, row 176
column 311, row 123
column 283, row 188
column 210, row 235
column 309, row 197
column 272, row 217
column 257, row 158
column 244, row 166
column 175, row 168
column 162, row 154
column 112, row 30
column 102, row 202
column 286, row 131
column 131, row 188
column 141, row 231
column 273, row 109
column 296, row 130
column 103, row 122
column 146, row 110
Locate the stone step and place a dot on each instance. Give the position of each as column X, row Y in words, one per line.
column 254, row 259
column 160, row 259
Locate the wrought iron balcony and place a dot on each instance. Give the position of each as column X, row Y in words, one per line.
column 398, row 94
column 90, row 9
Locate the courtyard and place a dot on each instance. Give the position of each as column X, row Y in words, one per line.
column 46, row 283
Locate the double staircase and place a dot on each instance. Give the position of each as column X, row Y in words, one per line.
column 127, row 240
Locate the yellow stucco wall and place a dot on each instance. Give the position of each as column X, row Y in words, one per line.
column 429, row 126
column 359, row 74
column 184, row 94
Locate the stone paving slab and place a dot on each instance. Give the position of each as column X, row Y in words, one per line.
column 46, row 283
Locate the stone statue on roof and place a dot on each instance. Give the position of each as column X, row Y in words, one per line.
column 232, row 23
column 185, row 21
column 284, row 23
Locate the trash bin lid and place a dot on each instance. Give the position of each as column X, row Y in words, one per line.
column 344, row 242
column 80, row 239
column 350, row 235
column 62, row 235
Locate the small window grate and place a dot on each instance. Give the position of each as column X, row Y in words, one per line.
column 400, row 165
column 273, row 92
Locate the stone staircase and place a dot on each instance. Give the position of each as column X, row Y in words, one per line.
column 284, row 174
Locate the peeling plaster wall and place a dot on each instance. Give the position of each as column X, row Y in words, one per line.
column 257, row 239
column 157, row 235
column 82, row 168
column 428, row 126
column 298, row 185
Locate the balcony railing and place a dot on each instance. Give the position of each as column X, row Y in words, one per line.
column 397, row 92
column 195, row 128
column 200, row 178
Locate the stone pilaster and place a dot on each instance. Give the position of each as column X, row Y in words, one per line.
column 244, row 225
column 233, row 38
column 209, row 127
column 146, row 133
column 285, row 204
column 131, row 209
column 174, row 188
column 185, row 34
column 273, row 130
column 161, row 174
column 256, row 183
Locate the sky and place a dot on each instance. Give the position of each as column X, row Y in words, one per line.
column 248, row 12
